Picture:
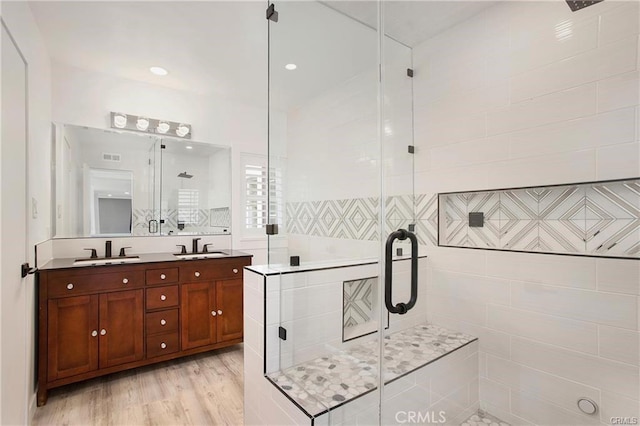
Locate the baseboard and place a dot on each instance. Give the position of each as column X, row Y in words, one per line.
column 32, row 407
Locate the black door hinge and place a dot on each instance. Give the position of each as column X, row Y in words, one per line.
column 272, row 14
column 409, row 72
column 25, row 270
column 412, row 149
column 272, row 229
column 282, row 333
column 163, row 146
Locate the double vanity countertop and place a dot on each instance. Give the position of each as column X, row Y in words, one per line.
column 64, row 263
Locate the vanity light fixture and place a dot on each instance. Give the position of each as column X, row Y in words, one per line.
column 159, row 71
column 163, row 127
column 291, row 67
column 150, row 125
column 142, row 124
column 120, row 120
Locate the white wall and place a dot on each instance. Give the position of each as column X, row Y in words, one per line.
column 525, row 94
column 85, row 98
column 21, row 24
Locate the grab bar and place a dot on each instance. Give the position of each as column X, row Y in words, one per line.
column 400, row 308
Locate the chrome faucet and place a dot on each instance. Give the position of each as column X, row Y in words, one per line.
column 194, row 245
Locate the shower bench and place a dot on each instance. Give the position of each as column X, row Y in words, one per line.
column 323, row 384
column 300, row 367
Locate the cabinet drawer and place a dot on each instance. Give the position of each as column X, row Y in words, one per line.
column 207, row 271
column 162, row 344
column 162, row 276
column 62, row 284
column 162, row 297
column 162, row 321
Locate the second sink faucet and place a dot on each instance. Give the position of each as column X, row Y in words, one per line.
column 194, row 245
column 107, row 249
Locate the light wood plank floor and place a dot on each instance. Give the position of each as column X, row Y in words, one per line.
column 203, row 389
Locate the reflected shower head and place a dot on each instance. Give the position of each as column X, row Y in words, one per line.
column 185, row 175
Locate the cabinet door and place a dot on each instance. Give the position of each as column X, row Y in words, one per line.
column 121, row 327
column 229, row 306
column 198, row 316
column 72, row 335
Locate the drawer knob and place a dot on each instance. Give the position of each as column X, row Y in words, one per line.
column 125, row 280
column 163, row 297
column 213, row 313
column 163, row 345
column 163, row 276
column 103, row 332
column 197, row 274
column 219, row 312
column 69, row 286
column 163, row 322
column 235, row 271
column 94, row 333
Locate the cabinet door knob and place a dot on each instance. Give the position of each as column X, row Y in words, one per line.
column 235, row 271
column 163, row 297
column 94, row 333
column 219, row 312
column 213, row 313
column 163, row 322
column 125, row 280
column 197, row 274
column 163, row 345
column 69, row 286
column 103, row 332
column 163, row 276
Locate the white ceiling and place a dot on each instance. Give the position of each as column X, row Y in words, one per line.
column 220, row 48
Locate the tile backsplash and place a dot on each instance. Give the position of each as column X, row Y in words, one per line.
column 597, row 219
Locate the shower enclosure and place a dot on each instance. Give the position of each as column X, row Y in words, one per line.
column 394, row 125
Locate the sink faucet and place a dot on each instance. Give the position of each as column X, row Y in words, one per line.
column 107, row 249
column 194, row 245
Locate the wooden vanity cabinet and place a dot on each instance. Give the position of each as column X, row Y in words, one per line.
column 99, row 320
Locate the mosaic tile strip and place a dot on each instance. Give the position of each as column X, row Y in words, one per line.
column 206, row 218
column 358, row 301
column 357, row 218
column 220, row 216
column 341, row 376
column 598, row 219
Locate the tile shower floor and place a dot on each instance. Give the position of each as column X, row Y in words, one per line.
column 482, row 418
column 326, row 382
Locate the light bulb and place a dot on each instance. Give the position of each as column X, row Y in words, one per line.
column 120, row 120
column 182, row 130
column 163, row 127
column 158, row 71
column 142, row 124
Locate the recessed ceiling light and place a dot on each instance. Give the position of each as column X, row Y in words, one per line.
column 109, row 195
column 158, row 71
column 127, row 193
column 189, row 147
column 291, row 67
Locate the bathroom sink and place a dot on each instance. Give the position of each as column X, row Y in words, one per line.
column 200, row 255
column 109, row 261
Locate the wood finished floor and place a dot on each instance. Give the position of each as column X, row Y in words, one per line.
column 203, row 389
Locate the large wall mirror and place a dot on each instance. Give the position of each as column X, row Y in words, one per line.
column 117, row 183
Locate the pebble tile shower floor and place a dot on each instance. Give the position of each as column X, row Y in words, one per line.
column 482, row 418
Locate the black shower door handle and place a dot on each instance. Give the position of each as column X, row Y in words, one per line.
column 400, row 308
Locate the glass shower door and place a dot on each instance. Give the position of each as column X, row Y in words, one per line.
column 324, row 195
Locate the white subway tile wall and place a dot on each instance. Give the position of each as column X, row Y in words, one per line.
column 523, row 94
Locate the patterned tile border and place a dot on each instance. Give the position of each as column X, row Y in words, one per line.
column 596, row 219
